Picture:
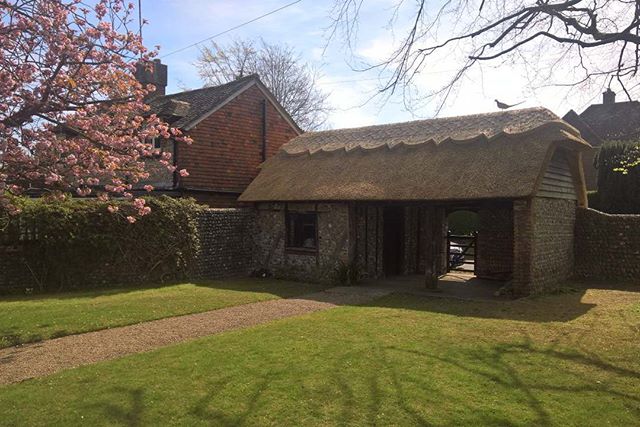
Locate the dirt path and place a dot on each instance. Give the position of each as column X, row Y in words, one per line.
column 47, row 357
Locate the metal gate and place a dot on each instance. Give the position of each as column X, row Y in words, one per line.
column 462, row 252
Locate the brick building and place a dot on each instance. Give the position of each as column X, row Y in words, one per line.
column 379, row 195
column 234, row 127
column 609, row 121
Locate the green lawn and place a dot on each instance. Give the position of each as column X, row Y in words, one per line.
column 26, row 319
column 561, row 360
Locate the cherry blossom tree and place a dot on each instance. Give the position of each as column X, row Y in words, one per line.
column 73, row 117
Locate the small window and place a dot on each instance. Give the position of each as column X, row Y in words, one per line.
column 156, row 142
column 302, row 231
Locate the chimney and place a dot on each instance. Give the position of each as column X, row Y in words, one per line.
column 154, row 73
column 608, row 97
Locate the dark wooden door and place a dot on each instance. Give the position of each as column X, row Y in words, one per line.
column 393, row 239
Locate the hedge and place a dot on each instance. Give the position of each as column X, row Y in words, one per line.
column 618, row 191
column 463, row 222
column 79, row 243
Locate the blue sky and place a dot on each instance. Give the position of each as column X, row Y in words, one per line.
column 174, row 24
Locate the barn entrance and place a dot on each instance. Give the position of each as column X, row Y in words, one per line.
column 462, row 241
column 393, row 240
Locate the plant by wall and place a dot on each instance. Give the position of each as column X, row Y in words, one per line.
column 346, row 274
column 618, row 187
column 83, row 243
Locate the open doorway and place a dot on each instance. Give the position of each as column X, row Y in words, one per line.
column 393, row 240
column 462, row 241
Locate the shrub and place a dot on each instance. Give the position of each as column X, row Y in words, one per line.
column 463, row 222
column 79, row 243
column 618, row 191
column 346, row 274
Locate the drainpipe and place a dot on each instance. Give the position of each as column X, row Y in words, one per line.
column 264, row 129
column 176, row 177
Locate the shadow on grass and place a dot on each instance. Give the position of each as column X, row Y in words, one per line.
column 610, row 284
column 551, row 308
column 281, row 288
column 524, row 382
column 400, row 383
column 130, row 414
column 502, row 365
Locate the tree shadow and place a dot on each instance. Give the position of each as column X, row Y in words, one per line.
column 500, row 366
column 129, row 414
column 496, row 368
column 204, row 408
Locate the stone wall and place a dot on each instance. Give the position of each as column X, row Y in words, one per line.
column 333, row 241
column 607, row 246
column 225, row 243
column 553, row 254
column 543, row 244
column 494, row 252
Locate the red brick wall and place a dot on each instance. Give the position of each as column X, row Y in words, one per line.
column 227, row 145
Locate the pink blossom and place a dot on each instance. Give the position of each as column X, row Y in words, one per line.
column 112, row 209
column 183, row 172
column 131, row 219
column 139, row 203
column 100, row 58
column 148, row 187
column 83, row 191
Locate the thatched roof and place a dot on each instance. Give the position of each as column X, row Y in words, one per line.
column 496, row 155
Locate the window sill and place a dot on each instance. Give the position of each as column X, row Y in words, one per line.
column 300, row 251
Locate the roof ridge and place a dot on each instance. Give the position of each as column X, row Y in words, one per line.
column 434, row 119
column 236, row 81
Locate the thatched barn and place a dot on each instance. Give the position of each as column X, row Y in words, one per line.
column 376, row 198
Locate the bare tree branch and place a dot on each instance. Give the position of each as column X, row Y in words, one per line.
column 607, row 30
column 293, row 83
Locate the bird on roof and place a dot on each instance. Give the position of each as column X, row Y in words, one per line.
column 503, row 106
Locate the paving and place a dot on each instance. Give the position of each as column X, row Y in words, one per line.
column 47, row 357
column 457, row 285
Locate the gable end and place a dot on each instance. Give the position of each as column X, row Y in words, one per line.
column 558, row 181
column 266, row 93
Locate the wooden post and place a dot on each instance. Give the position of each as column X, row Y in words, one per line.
column 433, row 241
column 353, row 234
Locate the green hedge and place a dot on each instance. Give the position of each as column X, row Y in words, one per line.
column 463, row 222
column 618, row 191
column 79, row 243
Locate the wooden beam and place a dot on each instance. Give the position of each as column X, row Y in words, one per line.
column 433, row 243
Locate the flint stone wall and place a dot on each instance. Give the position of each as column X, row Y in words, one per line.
column 333, row 242
column 607, row 246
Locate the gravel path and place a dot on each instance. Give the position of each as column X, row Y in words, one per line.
column 47, row 357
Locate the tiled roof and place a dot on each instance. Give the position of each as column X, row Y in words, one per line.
column 585, row 130
column 616, row 121
column 200, row 101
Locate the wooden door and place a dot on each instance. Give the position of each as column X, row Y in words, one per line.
column 393, row 240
